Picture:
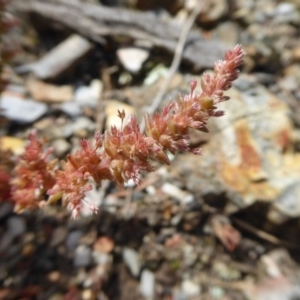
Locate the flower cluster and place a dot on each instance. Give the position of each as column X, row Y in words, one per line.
column 33, row 175
column 123, row 154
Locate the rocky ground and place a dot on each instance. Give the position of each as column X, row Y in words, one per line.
column 221, row 226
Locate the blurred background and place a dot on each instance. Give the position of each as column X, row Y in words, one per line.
column 223, row 225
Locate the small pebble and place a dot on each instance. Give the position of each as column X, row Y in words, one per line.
column 58, row 236
column 16, row 226
column 216, row 292
column 72, row 239
column 21, row 110
column 190, row 288
column 147, row 284
column 132, row 58
column 83, row 256
column 132, row 261
column 61, row 147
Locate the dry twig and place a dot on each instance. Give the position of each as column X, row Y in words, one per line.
column 264, row 235
column 176, row 59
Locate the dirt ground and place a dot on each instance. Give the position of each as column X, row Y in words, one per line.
column 223, row 225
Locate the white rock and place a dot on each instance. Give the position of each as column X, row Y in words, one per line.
column 190, row 288
column 132, row 58
column 130, row 184
column 147, row 284
column 288, row 202
column 190, row 4
column 177, row 193
column 179, row 295
column 285, row 8
column 71, row 108
column 81, row 123
column 132, row 261
column 217, row 293
column 83, row 256
column 96, row 88
column 88, row 95
column 21, row 110
column 102, row 258
column 88, row 294
column 286, row 12
column 160, row 71
column 62, row 57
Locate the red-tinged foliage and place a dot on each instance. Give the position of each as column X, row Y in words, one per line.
column 123, row 154
column 71, row 186
column 129, row 151
column 32, row 176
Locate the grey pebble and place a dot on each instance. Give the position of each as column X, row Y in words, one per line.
column 147, row 284
column 22, row 110
column 83, row 256
column 132, row 261
column 73, row 239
